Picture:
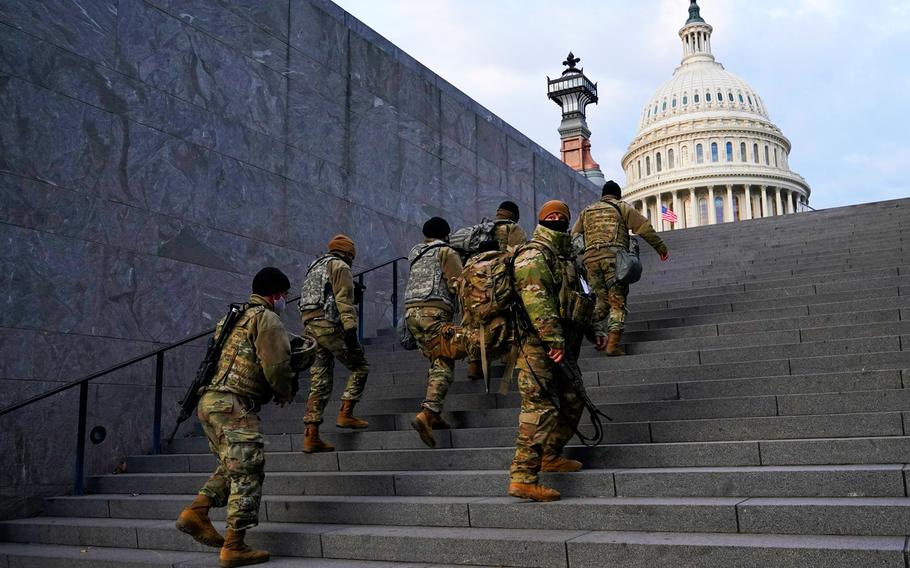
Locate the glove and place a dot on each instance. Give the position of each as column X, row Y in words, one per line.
column 351, row 340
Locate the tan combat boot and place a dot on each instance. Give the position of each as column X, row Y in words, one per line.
column 346, row 417
column 423, row 423
column 556, row 463
column 235, row 552
column 311, row 442
column 613, row 349
column 438, row 423
column 194, row 521
column 533, row 491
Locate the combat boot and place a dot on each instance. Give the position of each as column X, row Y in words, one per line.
column 475, row 370
column 194, row 521
column 557, row 463
column 423, row 423
column 235, row 552
column 311, row 442
column 346, row 417
column 613, row 349
column 533, row 491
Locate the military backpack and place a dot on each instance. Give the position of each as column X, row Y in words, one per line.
column 472, row 240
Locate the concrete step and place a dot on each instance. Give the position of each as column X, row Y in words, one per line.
column 487, row 546
column 824, row 451
column 867, row 480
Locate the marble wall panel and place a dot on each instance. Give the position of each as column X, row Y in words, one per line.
column 304, row 71
column 75, row 140
column 421, row 180
column 322, row 175
column 317, row 29
column 88, row 30
column 373, row 68
column 418, row 95
column 376, row 148
column 317, row 125
column 491, row 142
column 314, row 217
column 171, row 55
column 458, row 121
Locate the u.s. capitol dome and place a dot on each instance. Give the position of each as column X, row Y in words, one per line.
column 706, row 147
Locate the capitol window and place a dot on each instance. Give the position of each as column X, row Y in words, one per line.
column 713, row 151
column 742, row 152
column 719, row 208
column 696, row 97
column 735, row 208
column 729, row 151
column 670, row 158
column 664, row 107
column 708, row 97
column 685, row 100
column 702, row 211
column 730, row 97
column 699, row 154
column 755, row 153
column 741, row 101
column 720, row 97
column 639, row 169
column 767, row 158
column 750, row 99
column 673, row 104
column 659, row 168
column 775, row 157
column 647, row 165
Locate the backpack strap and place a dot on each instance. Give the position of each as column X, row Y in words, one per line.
column 426, row 250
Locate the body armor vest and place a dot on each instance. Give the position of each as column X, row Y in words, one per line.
column 426, row 281
column 238, row 368
column 604, row 226
column 316, row 292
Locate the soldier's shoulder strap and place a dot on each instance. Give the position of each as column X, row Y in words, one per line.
column 320, row 260
column 426, row 250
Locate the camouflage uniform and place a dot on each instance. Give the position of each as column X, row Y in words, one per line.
column 255, row 363
column 328, row 313
column 430, row 306
column 601, row 226
column 547, row 282
column 508, row 233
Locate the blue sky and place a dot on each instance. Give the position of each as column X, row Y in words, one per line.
column 834, row 74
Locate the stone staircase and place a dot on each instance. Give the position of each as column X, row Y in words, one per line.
column 759, row 420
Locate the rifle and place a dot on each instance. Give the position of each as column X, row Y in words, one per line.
column 206, row 371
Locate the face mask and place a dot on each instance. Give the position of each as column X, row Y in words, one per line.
column 280, row 304
column 560, row 226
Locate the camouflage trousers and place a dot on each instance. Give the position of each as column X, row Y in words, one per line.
column 232, row 429
column 543, row 427
column 610, row 310
column 330, row 345
column 440, row 341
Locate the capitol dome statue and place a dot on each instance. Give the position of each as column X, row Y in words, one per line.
column 706, row 148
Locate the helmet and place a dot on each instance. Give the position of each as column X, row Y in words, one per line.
column 303, row 353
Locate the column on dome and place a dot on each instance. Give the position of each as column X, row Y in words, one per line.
column 730, row 217
column 777, row 201
column 747, row 199
column 764, row 200
column 679, row 218
column 788, row 196
column 712, row 211
column 692, row 220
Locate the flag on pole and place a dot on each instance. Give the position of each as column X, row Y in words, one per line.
column 668, row 215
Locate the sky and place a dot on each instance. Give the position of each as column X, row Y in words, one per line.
column 834, row 74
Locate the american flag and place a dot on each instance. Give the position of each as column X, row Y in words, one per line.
column 668, row 215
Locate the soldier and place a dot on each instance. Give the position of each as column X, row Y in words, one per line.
column 430, row 306
column 255, row 364
column 546, row 279
column 508, row 233
column 605, row 226
column 329, row 316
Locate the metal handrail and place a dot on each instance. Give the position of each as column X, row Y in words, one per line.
column 82, row 382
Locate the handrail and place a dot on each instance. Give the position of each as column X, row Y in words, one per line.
column 148, row 355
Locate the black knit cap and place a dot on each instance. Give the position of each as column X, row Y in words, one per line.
column 612, row 188
column 511, row 207
column 270, row 281
column 436, row 228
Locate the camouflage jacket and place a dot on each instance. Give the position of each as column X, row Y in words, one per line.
column 337, row 275
column 256, row 359
column 508, row 233
column 545, row 278
column 602, row 227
